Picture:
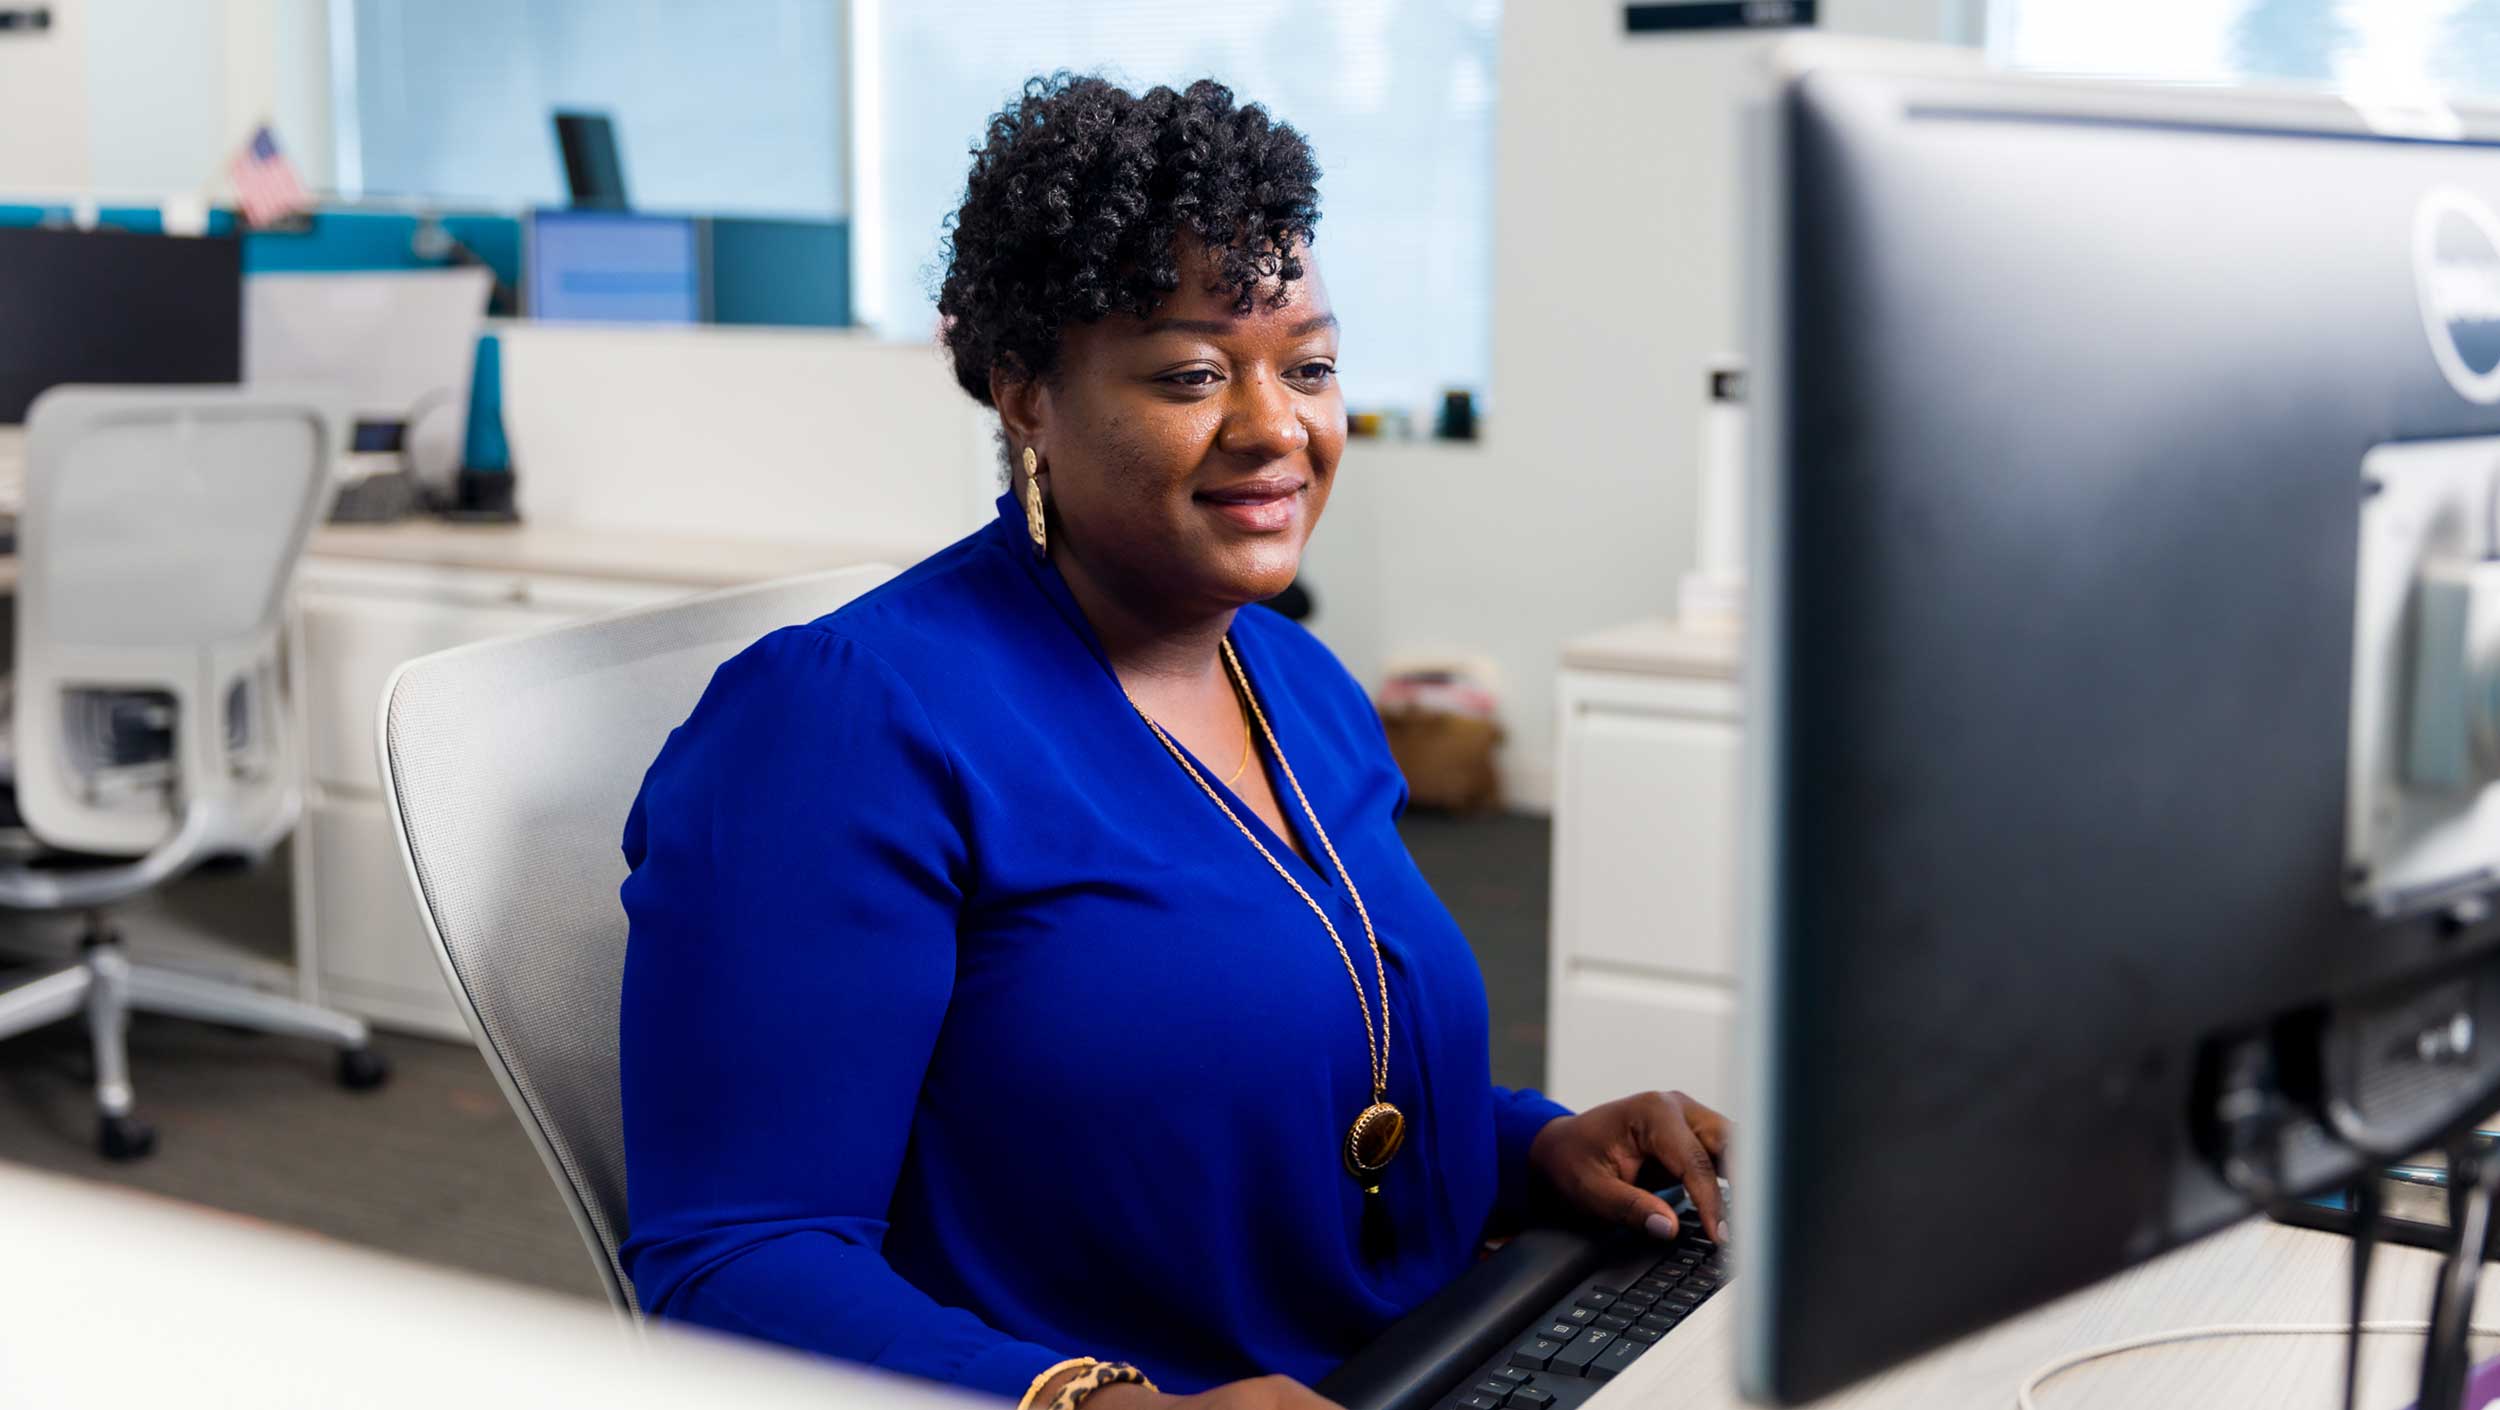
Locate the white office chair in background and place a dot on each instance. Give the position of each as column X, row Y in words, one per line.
column 160, row 531
column 510, row 767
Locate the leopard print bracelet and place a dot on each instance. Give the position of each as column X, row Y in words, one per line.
column 1094, row 1376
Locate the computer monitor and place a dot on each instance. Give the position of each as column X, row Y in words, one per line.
column 593, row 171
column 114, row 307
column 2122, row 826
column 611, row 267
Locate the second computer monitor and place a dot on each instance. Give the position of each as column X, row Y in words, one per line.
column 614, row 267
column 113, row 307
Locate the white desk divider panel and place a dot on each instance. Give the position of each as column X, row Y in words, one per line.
column 799, row 434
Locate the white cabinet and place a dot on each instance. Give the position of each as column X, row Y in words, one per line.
column 360, row 943
column 1644, row 943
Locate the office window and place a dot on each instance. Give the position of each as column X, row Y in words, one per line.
column 725, row 106
column 1395, row 95
column 2381, row 48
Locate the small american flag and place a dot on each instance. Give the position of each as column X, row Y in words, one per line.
column 264, row 181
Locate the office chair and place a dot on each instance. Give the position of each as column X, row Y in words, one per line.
column 509, row 767
column 160, row 531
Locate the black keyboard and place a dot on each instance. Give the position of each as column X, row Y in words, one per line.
column 1541, row 1325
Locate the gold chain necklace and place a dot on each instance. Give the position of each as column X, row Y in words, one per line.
column 1379, row 1130
column 1243, row 763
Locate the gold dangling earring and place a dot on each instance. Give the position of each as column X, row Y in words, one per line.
column 1033, row 521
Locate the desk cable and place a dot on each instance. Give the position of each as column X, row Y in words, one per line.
column 2030, row 1384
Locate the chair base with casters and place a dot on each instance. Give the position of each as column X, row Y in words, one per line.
column 106, row 987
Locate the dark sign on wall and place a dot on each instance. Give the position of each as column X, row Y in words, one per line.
column 1677, row 16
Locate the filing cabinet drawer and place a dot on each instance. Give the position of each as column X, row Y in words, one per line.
column 374, row 958
column 1646, row 877
column 352, row 644
column 1634, row 1034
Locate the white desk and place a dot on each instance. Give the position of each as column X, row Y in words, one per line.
column 2256, row 1272
column 116, row 1299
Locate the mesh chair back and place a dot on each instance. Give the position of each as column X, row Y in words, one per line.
column 161, row 528
column 510, row 767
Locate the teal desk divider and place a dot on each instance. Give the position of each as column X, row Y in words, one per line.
column 146, row 219
column 142, row 220
column 345, row 241
column 495, row 239
column 792, row 273
column 339, row 242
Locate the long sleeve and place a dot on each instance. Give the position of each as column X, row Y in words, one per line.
column 798, row 863
column 1518, row 1114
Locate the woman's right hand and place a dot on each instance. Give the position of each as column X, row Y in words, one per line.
column 1258, row 1393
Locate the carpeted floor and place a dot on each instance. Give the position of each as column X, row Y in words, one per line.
column 434, row 1167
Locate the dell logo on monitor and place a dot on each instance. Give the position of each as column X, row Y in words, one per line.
column 2456, row 270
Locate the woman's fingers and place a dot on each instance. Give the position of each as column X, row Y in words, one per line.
column 1716, row 1131
column 1632, row 1205
column 1676, row 1140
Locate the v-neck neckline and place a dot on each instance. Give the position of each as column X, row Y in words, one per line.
column 1287, row 803
column 1045, row 575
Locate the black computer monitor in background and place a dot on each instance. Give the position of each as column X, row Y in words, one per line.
column 593, row 171
column 2122, row 841
column 113, row 307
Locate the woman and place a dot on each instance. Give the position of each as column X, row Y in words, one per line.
column 1025, row 964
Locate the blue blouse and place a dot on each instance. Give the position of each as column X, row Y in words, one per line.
column 963, row 1034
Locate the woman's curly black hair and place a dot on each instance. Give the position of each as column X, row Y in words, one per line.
column 1077, row 195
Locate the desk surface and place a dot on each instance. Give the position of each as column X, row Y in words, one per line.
column 1657, row 647
column 126, row 1300
column 2257, row 1272
column 692, row 561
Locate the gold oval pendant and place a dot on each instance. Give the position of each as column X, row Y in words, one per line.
column 1373, row 1141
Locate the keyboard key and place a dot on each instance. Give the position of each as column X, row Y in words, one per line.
column 1512, row 1374
column 1531, row 1398
column 1494, row 1388
column 1615, row 1358
column 1599, row 1300
column 1684, row 1297
column 1663, row 1320
column 1472, row 1401
column 1536, row 1353
column 1562, row 1331
column 1579, row 1316
column 1590, row 1345
column 1644, row 1335
column 1637, row 1298
column 1613, row 1321
column 1609, row 1289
